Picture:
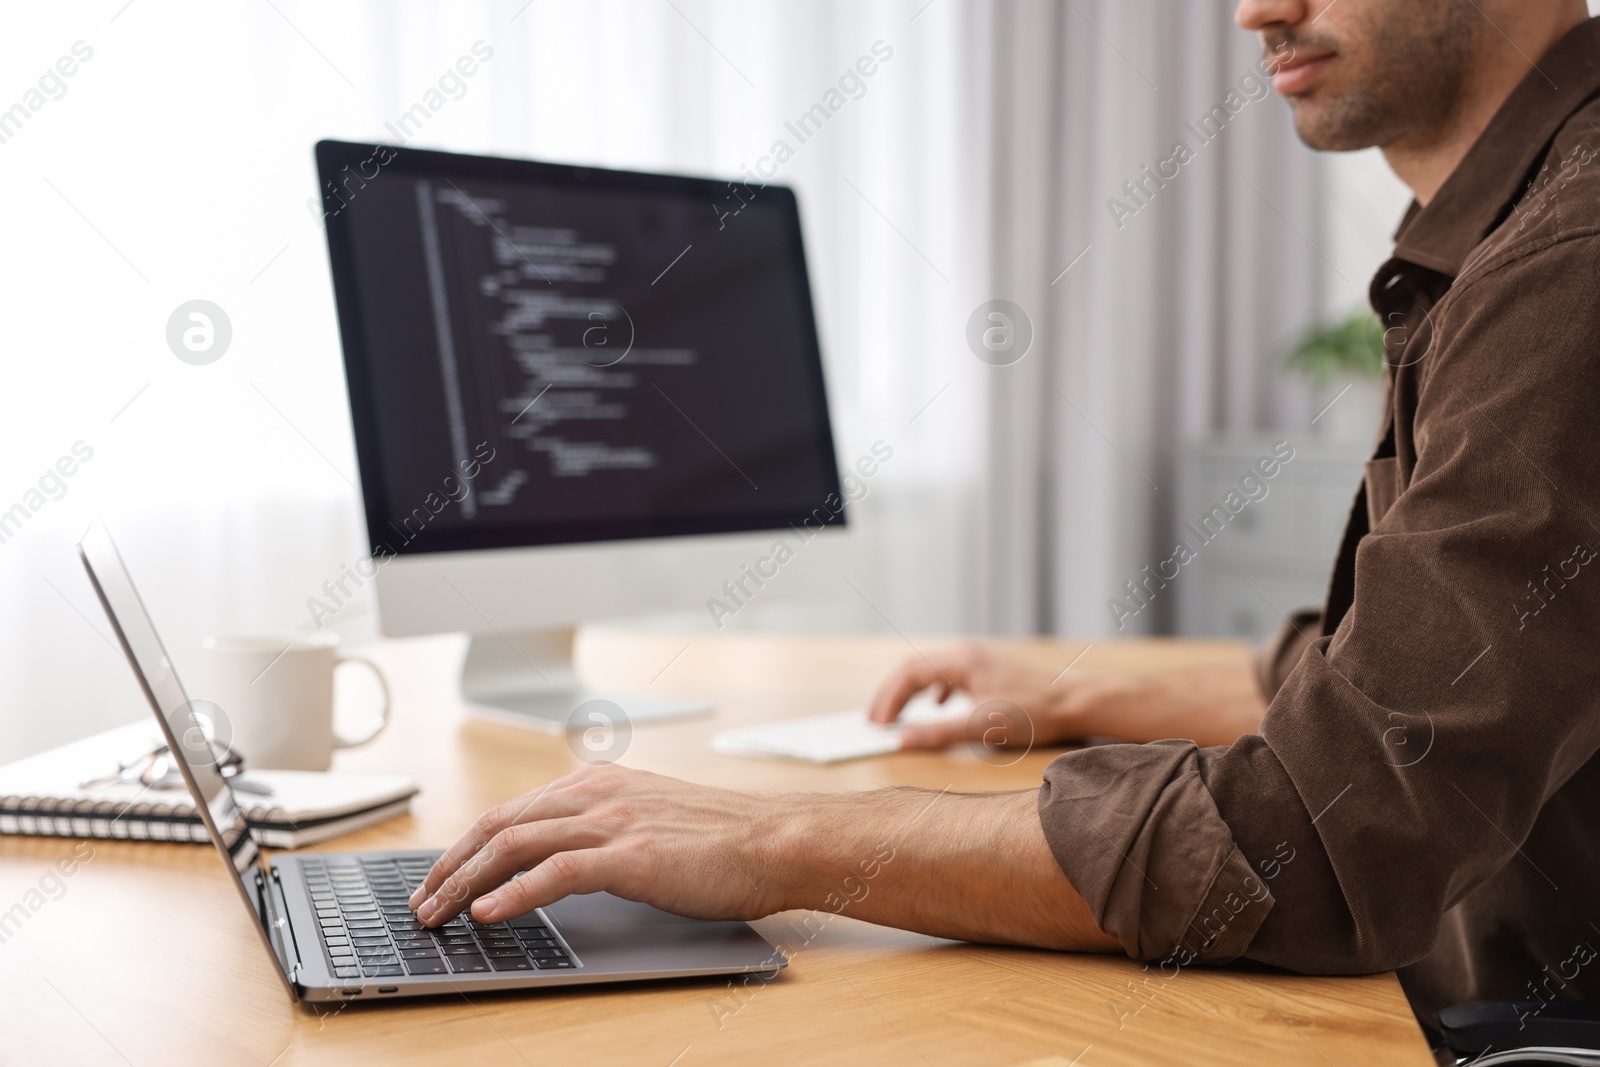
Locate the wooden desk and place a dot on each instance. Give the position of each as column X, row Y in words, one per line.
column 147, row 956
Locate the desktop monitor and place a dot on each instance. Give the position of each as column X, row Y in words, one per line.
column 576, row 393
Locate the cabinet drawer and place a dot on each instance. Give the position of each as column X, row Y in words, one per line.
column 1223, row 602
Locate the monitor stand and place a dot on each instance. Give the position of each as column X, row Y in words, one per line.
column 527, row 679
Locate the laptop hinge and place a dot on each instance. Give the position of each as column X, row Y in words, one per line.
column 273, row 911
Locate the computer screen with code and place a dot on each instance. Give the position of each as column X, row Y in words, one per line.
column 543, row 354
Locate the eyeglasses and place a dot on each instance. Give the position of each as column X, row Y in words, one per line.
column 157, row 769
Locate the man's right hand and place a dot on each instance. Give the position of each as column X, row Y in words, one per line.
column 1017, row 704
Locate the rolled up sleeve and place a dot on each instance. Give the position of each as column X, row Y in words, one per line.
column 1138, row 834
column 1276, row 658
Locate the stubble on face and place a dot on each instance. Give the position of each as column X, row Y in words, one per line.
column 1401, row 68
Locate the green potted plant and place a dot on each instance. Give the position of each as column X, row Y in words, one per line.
column 1343, row 361
column 1349, row 348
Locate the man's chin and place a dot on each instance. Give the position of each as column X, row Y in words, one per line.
column 1326, row 127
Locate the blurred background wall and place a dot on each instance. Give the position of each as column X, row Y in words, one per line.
column 984, row 160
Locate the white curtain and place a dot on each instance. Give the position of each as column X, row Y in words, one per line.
column 175, row 164
column 1168, row 326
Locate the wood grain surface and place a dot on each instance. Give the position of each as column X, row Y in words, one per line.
column 145, row 956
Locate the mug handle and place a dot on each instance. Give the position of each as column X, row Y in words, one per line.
column 383, row 716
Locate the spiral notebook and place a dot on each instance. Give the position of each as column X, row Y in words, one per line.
column 45, row 795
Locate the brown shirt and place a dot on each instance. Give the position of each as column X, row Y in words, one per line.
column 1424, row 793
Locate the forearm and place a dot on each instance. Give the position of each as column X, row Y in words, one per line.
column 975, row 867
column 1210, row 705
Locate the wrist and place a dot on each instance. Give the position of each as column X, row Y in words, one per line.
column 1099, row 705
column 787, row 841
column 822, row 852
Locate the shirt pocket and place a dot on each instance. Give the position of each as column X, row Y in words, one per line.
column 1383, row 488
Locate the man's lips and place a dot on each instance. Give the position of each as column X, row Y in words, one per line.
column 1297, row 74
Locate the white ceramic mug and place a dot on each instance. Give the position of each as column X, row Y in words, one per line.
column 276, row 697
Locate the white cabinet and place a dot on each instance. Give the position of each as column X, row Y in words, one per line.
column 1274, row 555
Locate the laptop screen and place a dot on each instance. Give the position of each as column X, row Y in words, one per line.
column 188, row 732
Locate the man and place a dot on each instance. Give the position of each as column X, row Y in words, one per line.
column 1420, row 791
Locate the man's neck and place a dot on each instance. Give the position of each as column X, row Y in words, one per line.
column 1423, row 161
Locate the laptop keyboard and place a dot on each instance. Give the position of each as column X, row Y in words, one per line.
column 368, row 930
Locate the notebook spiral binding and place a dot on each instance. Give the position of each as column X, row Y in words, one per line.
column 49, row 817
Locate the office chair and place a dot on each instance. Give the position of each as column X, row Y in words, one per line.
column 1488, row 1033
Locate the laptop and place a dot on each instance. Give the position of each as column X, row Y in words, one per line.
column 336, row 926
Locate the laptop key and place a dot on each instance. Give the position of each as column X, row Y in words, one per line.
column 505, row 953
column 467, row 964
column 546, row 965
column 419, row 954
column 510, row 964
column 546, row 953
column 460, row 950
column 383, row 972
column 426, row 966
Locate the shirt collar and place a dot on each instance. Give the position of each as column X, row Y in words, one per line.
column 1488, row 180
